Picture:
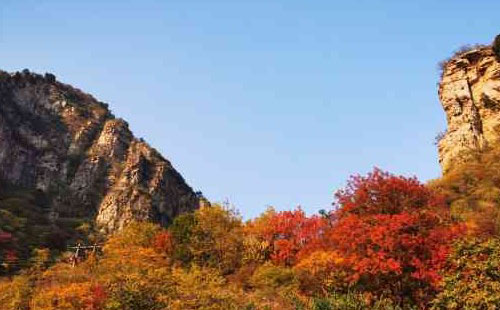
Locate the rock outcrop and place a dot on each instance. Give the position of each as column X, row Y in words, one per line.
column 67, row 144
column 470, row 95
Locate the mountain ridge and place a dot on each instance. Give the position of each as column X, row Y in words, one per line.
column 64, row 142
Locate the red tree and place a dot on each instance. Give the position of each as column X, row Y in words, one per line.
column 290, row 234
column 394, row 232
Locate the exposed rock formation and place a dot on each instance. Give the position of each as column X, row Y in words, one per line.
column 470, row 94
column 64, row 142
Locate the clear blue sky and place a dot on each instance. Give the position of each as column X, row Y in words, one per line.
column 259, row 102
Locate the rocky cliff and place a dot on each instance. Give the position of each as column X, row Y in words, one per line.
column 469, row 92
column 67, row 144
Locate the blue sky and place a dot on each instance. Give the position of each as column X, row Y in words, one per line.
column 259, row 102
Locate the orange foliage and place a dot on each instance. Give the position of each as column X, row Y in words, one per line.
column 163, row 243
column 290, row 234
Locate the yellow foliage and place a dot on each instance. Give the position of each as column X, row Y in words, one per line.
column 255, row 250
column 201, row 289
column 16, row 294
column 217, row 238
column 473, row 191
column 321, row 271
column 72, row 296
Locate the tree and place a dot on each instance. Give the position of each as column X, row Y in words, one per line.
column 201, row 289
column 181, row 231
column 321, row 272
column 394, row 233
column 288, row 235
column 216, row 238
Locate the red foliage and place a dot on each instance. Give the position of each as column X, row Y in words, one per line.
column 97, row 299
column 383, row 193
column 5, row 237
column 392, row 230
column 291, row 235
column 162, row 242
column 7, row 251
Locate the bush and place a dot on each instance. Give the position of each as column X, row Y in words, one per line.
column 473, row 281
column 472, row 190
column 439, row 136
column 458, row 53
column 270, row 279
column 356, row 301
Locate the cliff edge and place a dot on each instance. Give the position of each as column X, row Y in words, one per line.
column 469, row 92
column 64, row 142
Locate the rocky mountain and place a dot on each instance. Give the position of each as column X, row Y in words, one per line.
column 469, row 92
column 68, row 145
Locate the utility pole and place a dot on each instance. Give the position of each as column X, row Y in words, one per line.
column 80, row 250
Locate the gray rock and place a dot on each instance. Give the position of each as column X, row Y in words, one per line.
column 64, row 142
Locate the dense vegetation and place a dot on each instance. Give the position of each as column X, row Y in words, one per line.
column 389, row 242
column 26, row 225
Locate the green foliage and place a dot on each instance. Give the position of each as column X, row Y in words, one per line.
column 212, row 237
column 356, row 301
column 132, row 296
column 181, row 230
column 136, row 234
column 473, row 280
column 217, row 239
column 25, row 215
column 272, row 278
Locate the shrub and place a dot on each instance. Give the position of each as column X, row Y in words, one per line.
column 356, row 301
column 473, row 280
column 270, row 279
column 181, row 231
column 472, row 189
column 457, row 53
column 439, row 136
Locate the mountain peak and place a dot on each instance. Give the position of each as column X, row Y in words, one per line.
column 64, row 142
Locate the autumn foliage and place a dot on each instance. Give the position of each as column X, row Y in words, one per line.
column 394, row 233
column 385, row 244
column 7, row 251
column 288, row 235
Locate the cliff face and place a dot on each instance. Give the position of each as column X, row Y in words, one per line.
column 64, row 142
column 470, row 95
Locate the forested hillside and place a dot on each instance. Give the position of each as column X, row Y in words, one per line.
column 390, row 242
